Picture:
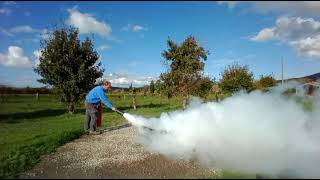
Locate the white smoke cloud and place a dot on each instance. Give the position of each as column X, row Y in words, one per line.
column 265, row 133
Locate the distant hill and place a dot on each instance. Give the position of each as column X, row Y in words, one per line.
column 313, row 77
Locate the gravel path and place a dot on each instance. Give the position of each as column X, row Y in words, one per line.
column 113, row 154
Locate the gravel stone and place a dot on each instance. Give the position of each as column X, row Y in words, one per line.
column 113, row 154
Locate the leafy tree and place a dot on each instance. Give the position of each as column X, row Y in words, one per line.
column 152, row 87
column 167, row 86
column 158, row 87
column 123, row 94
column 186, row 63
column 216, row 90
column 235, row 78
column 145, row 90
column 266, row 82
column 69, row 65
column 133, row 92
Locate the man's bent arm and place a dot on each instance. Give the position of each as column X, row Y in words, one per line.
column 104, row 99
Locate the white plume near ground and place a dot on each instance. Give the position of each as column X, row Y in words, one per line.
column 265, row 133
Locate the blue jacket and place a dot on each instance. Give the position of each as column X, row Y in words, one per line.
column 96, row 95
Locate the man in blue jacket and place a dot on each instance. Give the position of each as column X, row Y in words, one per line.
column 93, row 99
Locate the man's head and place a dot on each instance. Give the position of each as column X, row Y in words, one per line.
column 106, row 85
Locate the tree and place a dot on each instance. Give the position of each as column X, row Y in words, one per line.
column 123, row 94
column 145, row 90
column 158, row 87
column 68, row 65
column 133, row 95
column 266, row 82
column 216, row 90
column 167, row 86
column 184, row 75
column 152, row 87
column 235, row 78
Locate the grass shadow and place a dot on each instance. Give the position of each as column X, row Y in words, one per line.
column 80, row 111
column 17, row 117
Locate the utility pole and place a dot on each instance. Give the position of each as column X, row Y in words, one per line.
column 282, row 71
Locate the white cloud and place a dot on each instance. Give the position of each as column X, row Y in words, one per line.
column 37, row 54
column 44, row 34
column 296, row 8
column 289, row 7
column 300, row 33
column 264, row 34
column 86, row 23
column 124, row 80
column 27, row 13
column 26, row 41
column 103, row 47
column 231, row 4
column 309, row 46
column 28, row 79
column 137, row 28
column 134, row 28
column 9, row 3
column 6, row 32
column 15, row 58
column 23, row 29
column 289, row 28
column 5, row 11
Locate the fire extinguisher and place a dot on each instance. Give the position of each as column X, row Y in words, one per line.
column 99, row 120
column 310, row 88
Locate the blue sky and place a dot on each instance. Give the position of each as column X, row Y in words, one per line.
column 130, row 36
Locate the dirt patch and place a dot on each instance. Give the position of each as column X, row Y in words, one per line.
column 113, row 154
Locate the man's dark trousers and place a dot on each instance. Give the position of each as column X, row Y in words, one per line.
column 91, row 116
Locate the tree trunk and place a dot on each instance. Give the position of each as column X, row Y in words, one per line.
column 134, row 102
column 184, row 103
column 71, row 107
